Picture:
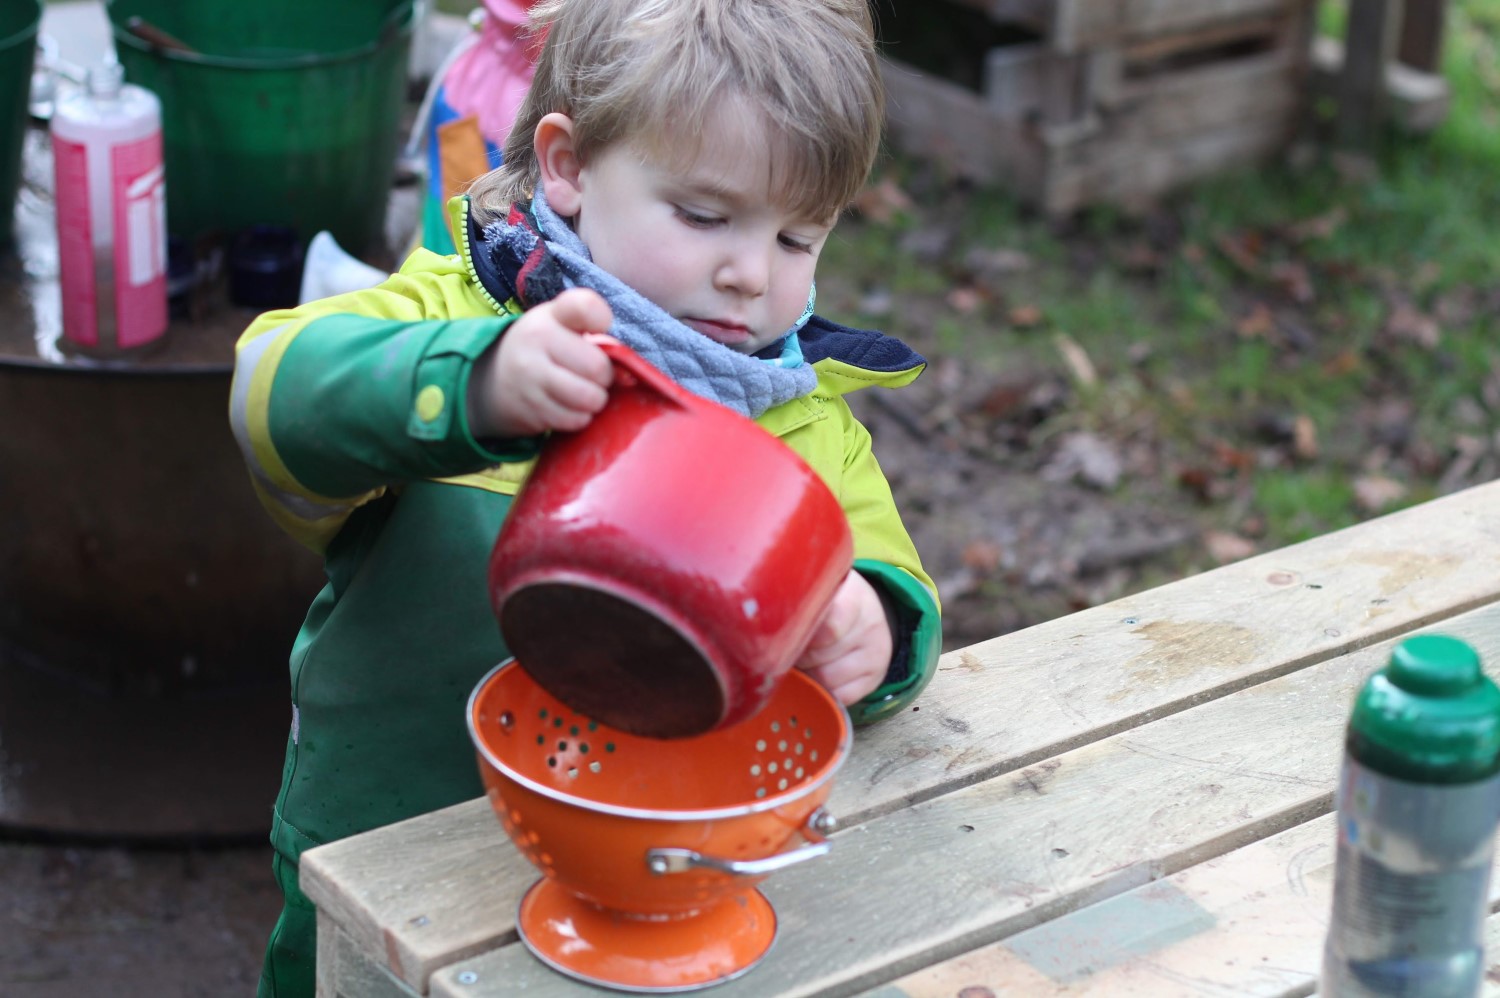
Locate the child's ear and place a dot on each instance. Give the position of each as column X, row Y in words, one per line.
column 557, row 161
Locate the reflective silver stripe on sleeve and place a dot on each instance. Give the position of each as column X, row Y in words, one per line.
column 246, row 362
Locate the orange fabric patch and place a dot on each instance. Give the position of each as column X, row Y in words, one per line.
column 461, row 154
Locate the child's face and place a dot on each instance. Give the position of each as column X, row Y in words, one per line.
column 703, row 241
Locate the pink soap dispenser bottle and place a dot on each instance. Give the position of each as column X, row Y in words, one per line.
column 110, row 193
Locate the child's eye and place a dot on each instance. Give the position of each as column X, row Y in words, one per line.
column 796, row 245
column 695, row 219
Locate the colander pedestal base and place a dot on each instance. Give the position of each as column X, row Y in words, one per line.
column 630, row 953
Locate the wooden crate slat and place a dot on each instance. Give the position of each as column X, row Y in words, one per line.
column 932, row 118
column 1134, row 175
column 1149, row 18
column 1204, row 98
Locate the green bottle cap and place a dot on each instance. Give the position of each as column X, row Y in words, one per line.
column 1430, row 716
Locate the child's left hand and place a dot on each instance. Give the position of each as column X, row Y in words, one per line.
column 851, row 648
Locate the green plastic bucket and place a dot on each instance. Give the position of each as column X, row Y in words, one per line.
column 18, row 23
column 285, row 112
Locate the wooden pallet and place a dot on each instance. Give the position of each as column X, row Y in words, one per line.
column 1112, row 102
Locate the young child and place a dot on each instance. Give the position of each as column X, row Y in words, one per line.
column 672, row 177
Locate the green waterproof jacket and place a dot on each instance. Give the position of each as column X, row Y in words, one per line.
column 350, row 412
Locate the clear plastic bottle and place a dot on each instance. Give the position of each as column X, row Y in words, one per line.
column 110, row 191
column 1418, row 802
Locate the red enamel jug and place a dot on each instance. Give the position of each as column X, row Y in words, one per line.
column 663, row 568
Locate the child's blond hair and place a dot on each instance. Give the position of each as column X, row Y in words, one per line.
column 650, row 72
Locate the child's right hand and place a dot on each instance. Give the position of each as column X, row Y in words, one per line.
column 543, row 374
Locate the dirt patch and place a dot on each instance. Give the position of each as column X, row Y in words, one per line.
column 131, row 923
column 1009, row 542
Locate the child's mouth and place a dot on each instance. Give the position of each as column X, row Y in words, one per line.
column 728, row 333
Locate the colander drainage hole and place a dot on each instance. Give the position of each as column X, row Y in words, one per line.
column 760, row 791
column 760, row 745
column 755, row 770
column 507, row 720
column 775, row 726
column 594, row 766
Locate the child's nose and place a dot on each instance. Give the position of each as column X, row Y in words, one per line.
column 746, row 272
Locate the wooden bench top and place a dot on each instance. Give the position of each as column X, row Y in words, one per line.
column 1133, row 799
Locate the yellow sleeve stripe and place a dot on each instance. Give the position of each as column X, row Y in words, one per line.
column 291, row 504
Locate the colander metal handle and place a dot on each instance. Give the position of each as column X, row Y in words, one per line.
column 819, row 824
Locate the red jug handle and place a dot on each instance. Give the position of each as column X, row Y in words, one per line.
column 638, row 370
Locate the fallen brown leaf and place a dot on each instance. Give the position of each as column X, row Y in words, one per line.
column 1294, row 279
column 1304, row 438
column 1257, row 324
column 1373, row 493
column 1342, row 362
column 1243, row 249
column 1077, row 360
column 882, row 201
column 982, row 556
column 965, row 300
column 1407, row 323
column 1319, row 226
column 1025, row 316
column 1224, row 547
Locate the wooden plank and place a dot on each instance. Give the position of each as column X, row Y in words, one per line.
column 1423, row 24
column 1251, row 923
column 981, row 864
column 1199, row 41
column 1153, row 18
column 1079, row 25
column 344, row 970
column 433, row 889
column 1015, row 80
column 1369, row 46
column 1206, row 98
column 1120, row 664
column 1136, row 174
column 430, row 890
column 938, row 120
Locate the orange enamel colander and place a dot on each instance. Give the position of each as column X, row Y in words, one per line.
column 650, row 849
